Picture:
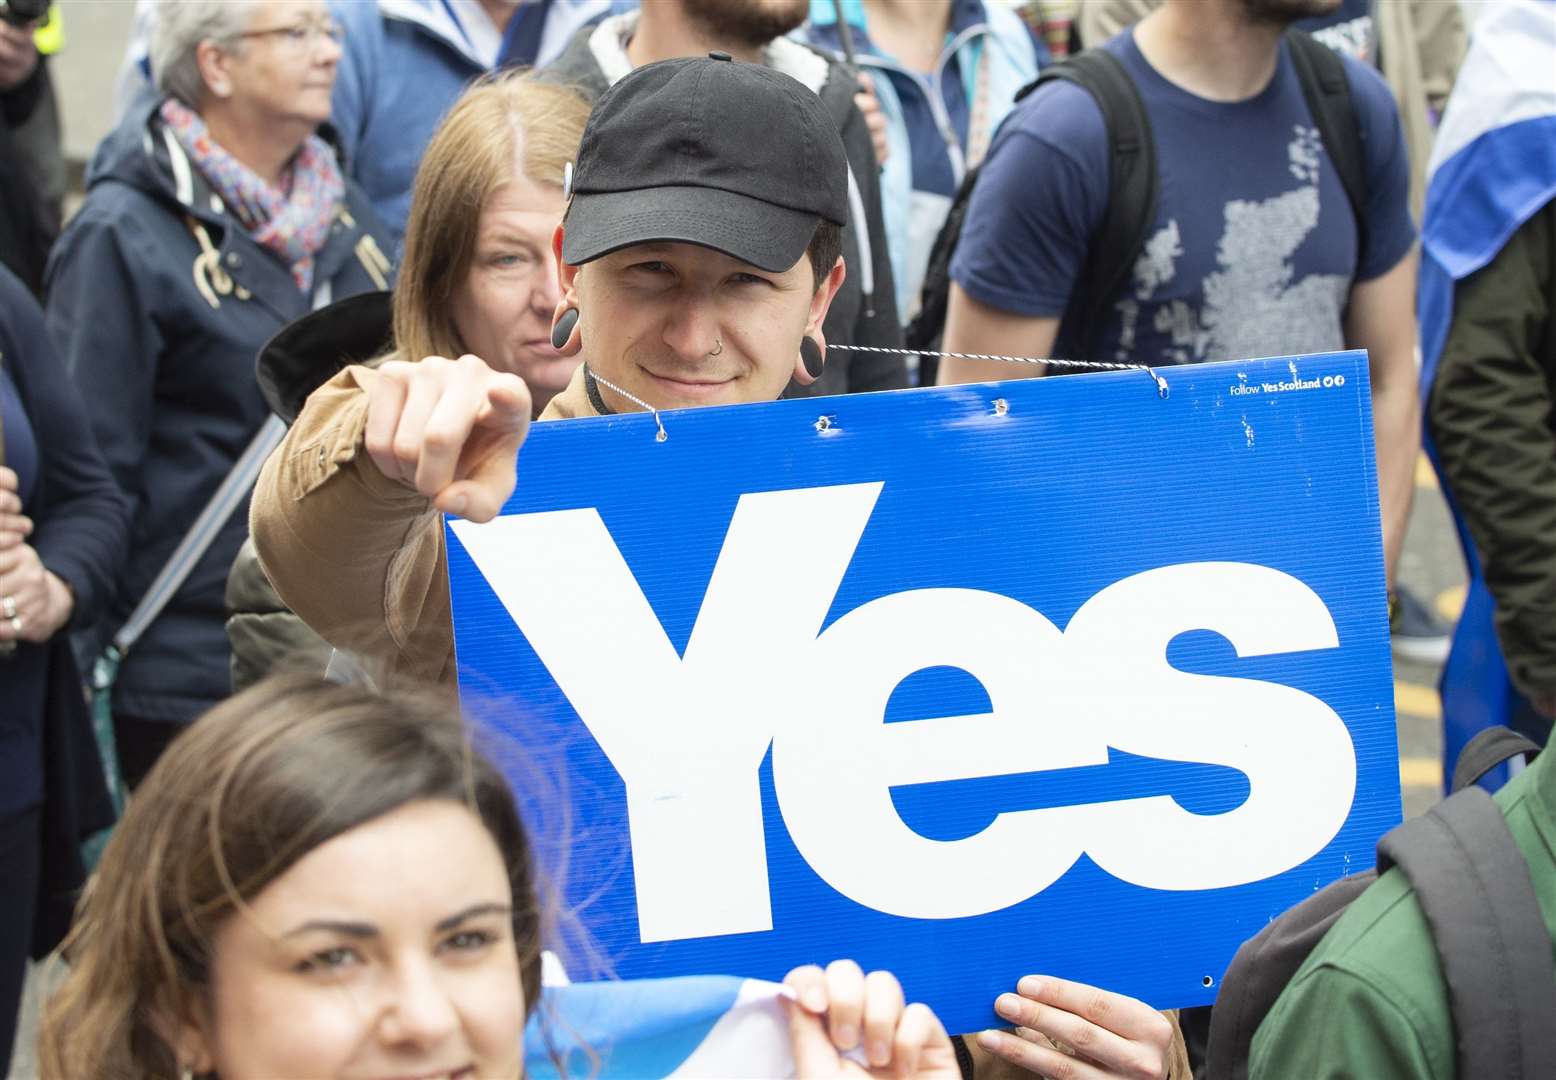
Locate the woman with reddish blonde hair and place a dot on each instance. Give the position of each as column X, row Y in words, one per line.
column 476, row 276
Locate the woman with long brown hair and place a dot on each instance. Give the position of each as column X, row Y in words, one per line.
column 321, row 880
column 314, row 879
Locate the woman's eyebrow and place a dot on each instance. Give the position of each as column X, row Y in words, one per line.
column 333, row 926
column 474, row 911
column 367, row 930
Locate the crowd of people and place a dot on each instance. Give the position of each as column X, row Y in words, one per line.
column 336, row 257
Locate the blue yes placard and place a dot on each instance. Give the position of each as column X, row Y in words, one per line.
column 1056, row 676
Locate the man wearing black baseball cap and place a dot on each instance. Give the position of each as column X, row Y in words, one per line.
column 697, row 259
column 701, row 185
column 864, row 311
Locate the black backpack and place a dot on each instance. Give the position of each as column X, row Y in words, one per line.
column 1132, row 194
column 1474, row 887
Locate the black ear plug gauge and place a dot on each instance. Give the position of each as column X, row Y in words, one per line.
column 564, row 328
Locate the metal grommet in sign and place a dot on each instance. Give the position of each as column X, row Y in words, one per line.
column 1001, row 406
column 660, row 435
column 1161, row 383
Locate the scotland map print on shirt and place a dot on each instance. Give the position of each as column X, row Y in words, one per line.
column 1256, row 293
column 1254, row 245
column 1349, row 29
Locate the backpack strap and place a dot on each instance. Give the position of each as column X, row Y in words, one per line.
column 1119, row 238
column 1321, row 72
column 1132, row 187
column 1473, row 885
column 1263, row 967
column 1488, row 749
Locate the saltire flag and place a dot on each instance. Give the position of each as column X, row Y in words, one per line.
column 1493, row 167
column 711, row 1026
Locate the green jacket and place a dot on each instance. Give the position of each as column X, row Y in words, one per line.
column 1370, row 1000
column 1492, row 414
column 264, row 634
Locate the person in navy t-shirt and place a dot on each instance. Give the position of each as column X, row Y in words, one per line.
column 1348, row 29
column 1255, row 249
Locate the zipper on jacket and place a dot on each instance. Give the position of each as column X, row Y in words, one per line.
column 931, row 87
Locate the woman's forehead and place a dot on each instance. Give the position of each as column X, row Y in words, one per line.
column 521, row 196
column 416, row 864
column 287, row 12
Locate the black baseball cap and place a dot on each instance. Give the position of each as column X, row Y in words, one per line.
column 705, row 150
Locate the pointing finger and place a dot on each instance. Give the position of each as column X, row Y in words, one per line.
column 508, row 404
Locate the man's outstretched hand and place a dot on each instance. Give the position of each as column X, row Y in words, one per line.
column 451, row 429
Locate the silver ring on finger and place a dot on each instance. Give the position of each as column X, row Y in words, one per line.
column 8, row 605
column 16, row 625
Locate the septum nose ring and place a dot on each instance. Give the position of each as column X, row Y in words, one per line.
column 720, row 347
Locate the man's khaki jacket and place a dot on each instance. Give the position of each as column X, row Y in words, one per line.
column 361, row 557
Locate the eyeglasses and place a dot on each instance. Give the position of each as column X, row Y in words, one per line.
column 303, row 35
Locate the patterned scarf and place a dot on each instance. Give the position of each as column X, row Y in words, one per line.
column 292, row 220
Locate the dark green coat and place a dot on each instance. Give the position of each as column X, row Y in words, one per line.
column 1492, row 414
column 264, row 634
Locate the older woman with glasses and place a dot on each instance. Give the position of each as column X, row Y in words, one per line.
column 215, row 214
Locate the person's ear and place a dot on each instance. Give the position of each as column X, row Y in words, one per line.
column 187, row 1037
column 563, row 277
column 813, row 345
column 214, row 63
column 566, row 334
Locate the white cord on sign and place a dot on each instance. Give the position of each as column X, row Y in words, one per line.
column 1161, row 383
column 1000, row 406
column 661, row 436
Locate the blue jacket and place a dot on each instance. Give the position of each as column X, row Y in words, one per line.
column 161, row 339
column 404, row 64
column 930, row 146
column 80, row 523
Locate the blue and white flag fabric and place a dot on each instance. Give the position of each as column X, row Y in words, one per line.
column 712, row 1026
column 1493, row 167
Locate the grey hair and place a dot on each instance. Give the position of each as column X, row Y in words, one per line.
column 181, row 25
